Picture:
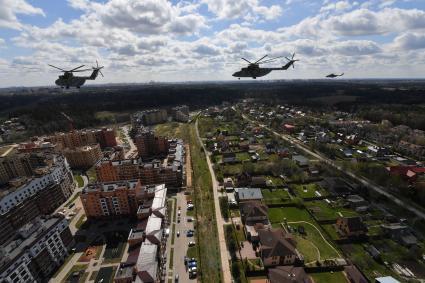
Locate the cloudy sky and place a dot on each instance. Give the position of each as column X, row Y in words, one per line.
column 192, row 40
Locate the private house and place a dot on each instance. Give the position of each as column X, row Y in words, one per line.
column 300, row 160
column 400, row 233
column 288, row 274
column 409, row 173
column 254, row 212
column 243, row 179
column 351, row 227
column 243, row 146
column 248, row 194
column 270, row 148
column 289, row 128
column 277, row 248
column 335, row 186
column 229, row 157
column 357, row 203
column 258, row 182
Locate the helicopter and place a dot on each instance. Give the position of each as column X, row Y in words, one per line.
column 68, row 79
column 254, row 70
column 334, row 75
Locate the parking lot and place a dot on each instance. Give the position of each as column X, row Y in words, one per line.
column 184, row 224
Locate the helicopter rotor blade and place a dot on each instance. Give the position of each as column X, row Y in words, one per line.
column 246, row 60
column 271, row 60
column 101, row 73
column 76, row 68
column 57, row 68
column 260, row 59
column 76, row 71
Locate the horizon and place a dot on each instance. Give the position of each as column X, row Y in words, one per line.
column 199, row 40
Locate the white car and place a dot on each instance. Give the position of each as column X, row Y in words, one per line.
column 192, row 269
column 191, row 243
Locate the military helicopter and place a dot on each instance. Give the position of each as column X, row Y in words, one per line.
column 334, row 75
column 68, row 79
column 255, row 71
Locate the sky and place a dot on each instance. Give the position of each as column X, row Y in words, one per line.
column 198, row 40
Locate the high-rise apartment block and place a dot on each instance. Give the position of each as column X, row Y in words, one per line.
column 36, row 251
column 149, row 117
column 148, row 145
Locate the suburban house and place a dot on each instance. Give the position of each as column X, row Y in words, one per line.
column 229, row 157
column 288, row 274
column 400, row 233
column 277, row 247
column 351, row 227
column 248, row 194
column 357, row 203
column 336, row 186
column 243, row 179
column 301, row 160
column 254, row 212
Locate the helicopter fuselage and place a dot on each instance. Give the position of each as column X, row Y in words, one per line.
column 257, row 72
column 68, row 80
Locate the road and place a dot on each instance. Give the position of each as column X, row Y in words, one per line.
column 181, row 243
column 224, row 253
column 133, row 148
column 379, row 189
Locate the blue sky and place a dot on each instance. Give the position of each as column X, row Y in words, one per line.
column 190, row 40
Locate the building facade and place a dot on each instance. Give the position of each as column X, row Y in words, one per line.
column 149, row 117
column 24, row 198
column 84, row 156
column 148, row 145
column 38, row 249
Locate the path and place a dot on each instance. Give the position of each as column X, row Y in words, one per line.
column 224, row 254
column 320, row 233
column 379, row 189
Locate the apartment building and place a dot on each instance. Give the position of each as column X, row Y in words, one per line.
column 180, row 113
column 73, row 139
column 25, row 198
column 148, row 145
column 149, row 117
column 84, row 156
column 114, row 199
column 36, row 251
column 148, row 173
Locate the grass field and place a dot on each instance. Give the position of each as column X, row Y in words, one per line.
column 308, row 190
column 277, row 215
column 77, row 268
column 79, row 180
column 324, row 211
column 207, row 238
column 275, row 196
column 105, row 275
column 172, row 130
column 328, row 277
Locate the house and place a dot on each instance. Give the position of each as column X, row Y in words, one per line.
column 228, row 184
column 254, row 212
column 354, row 275
column 336, row 186
column 243, row 179
column 277, row 248
column 351, row 227
column 243, row 146
column 288, row 274
column 251, row 232
column 357, row 203
column 248, row 194
column 400, row 233
column 283, row 152
column 270, row 148
column 386, row 279
column 289, row 128
column 301, row 160
column 409, row 173
column 229, row 157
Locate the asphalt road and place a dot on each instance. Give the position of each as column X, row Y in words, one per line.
column 181, row 243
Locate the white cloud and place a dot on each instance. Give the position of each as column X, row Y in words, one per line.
column 409, row 41
column 10, row 8
column 247, row 9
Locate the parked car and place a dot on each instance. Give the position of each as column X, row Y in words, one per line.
column 192, row 274
column 176, row 278
column 178, row 233
column 189, row 219
column 191, row 244
column 189, row 233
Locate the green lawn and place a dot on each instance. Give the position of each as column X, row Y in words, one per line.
column 77, row 268
column 277, row 215
column 331, row 230
column 206, row 225
column 275, row 196
column 324, row 211
column 328, row 277
column 80, row 221
column 171, row 258
column 308, row 190
column 79, row 180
